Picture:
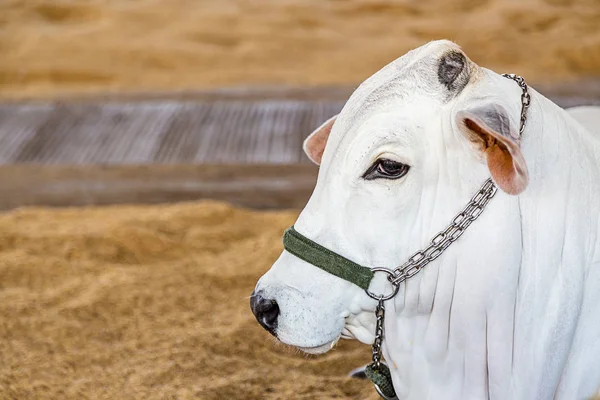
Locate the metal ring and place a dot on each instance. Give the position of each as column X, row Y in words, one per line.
column 394, row 286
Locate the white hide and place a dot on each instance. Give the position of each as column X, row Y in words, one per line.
column 509, row 311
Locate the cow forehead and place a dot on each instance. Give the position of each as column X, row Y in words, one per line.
column 420, row 77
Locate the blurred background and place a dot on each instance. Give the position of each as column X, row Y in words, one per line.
column 150, row 159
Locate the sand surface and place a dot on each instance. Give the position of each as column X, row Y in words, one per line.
column 51, row 47
column 150, row 303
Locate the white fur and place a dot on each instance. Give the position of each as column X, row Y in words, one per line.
column 512, row 309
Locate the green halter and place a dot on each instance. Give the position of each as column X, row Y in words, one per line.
column 319, row 256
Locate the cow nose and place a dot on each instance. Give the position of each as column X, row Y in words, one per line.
column 266, row 311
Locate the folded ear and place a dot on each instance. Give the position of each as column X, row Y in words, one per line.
column 489, row 127
column 314, row 144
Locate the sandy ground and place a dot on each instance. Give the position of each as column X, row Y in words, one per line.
column 52, row 47
column 150, row 303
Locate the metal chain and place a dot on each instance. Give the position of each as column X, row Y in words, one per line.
column 380, row 314
column 525, row 98
column 445, row 238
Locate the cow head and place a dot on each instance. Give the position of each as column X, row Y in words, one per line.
column 411, row 146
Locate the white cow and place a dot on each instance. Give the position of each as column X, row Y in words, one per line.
column 509, row 311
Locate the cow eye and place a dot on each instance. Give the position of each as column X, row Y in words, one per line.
column 386, row 169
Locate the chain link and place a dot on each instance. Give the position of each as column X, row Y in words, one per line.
column 380, row 314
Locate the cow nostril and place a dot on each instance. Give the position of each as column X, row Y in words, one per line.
column 268, row 317
column 266, row 311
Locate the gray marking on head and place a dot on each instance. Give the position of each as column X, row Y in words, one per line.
column 453, row 71
column 415, row 74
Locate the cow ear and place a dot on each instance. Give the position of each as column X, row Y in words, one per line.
column 489, row 127
column 314, row 144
